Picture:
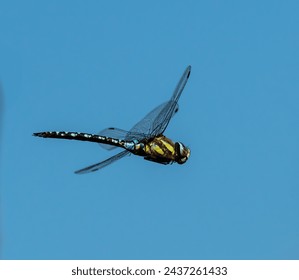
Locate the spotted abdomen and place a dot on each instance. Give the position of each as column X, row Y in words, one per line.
column 129, row 145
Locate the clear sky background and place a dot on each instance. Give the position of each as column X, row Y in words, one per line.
column 87, row 65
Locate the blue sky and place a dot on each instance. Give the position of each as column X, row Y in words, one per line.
column 87, row 65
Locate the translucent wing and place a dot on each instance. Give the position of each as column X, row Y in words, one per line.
column 145, row 126
column 102, row 164
column 156, row 121
column 161, row 121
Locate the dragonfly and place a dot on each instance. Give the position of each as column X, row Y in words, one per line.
column 145, row 138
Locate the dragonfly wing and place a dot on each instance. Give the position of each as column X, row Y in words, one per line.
column 102, row 164
column 145, row 126
column 156, row 121
column 181, row 84
column 162, row 119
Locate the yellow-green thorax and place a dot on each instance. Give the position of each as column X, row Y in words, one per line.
column 162, row 150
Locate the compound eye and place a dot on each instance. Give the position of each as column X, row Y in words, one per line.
column 182, row 153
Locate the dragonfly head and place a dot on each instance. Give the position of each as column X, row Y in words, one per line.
column 182, row 153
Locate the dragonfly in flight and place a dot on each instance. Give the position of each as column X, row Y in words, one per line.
column 145, row 138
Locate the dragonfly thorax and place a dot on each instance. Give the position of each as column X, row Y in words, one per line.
column 162, row 150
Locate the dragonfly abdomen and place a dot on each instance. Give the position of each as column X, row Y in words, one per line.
column 128, row 145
